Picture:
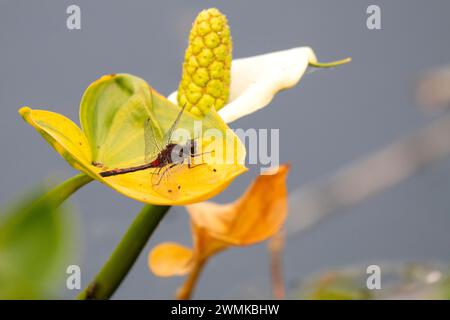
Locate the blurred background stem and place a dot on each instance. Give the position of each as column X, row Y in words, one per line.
column 186, row 290
column 127, row 251
column 368, row 176
column 276, row 248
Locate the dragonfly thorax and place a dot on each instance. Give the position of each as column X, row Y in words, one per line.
column 175, row 153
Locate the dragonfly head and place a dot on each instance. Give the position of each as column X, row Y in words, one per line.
column 179, row 152
column 186, row 150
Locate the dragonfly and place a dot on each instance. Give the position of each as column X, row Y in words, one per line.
column 168, row 156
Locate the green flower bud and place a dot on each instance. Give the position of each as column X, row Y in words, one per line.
column 205, row 81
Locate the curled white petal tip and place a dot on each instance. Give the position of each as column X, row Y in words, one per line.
column 256, row 80
column 173, row 97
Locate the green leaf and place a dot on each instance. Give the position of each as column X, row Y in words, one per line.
column 35, row 242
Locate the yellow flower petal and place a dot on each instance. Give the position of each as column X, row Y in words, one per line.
column 206, row 244
column 256, row 216
column 170, row 259
column 62, row 134
column 113, row 112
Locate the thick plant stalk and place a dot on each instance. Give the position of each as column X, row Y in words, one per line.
column 127, row 251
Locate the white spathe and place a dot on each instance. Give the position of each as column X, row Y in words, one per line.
column 256, row 80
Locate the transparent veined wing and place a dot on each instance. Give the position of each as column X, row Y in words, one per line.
column 151, row 145
column 168, row 135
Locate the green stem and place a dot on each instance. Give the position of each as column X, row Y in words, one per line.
column 125, row 254
column 332, row 64
column 59, row 194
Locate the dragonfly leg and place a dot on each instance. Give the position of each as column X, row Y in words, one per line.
column 163, row 173
column 192, row 156
column 190, row 166
column 200, row 154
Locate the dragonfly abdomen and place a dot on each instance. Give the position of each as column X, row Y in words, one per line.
column 115, row 172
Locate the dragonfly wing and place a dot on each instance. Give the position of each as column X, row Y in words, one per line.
column 168, row 135
column 152, row 147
